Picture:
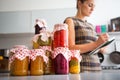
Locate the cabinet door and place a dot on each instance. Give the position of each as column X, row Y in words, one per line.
column 15, row 22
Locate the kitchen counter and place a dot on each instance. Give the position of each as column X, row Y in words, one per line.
column 104, row 75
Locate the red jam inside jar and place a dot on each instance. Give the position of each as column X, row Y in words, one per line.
column 61, row 64
column 60, row 35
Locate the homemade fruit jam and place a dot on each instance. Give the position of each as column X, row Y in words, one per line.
column 61, row 59
column 60, row 35
column 19, row 60
column 74, row 64
column 37, row 59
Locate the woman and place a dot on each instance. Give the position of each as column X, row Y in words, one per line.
column 82, row 35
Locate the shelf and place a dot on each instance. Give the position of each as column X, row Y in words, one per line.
column 114, row 33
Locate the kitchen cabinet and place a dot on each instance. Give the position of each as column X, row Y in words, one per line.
column 15, row 22
column 24, row 21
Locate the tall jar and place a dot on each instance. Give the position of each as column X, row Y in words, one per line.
column 60, row 35
column 74, row 64
column 19, row 60
column 37, row 59
column 61, row 57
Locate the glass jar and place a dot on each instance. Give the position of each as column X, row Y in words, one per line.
column 60, row 35
column 42, row 39
column 19, row 60
column 48, row 69
column 61, row 59
column 37, row 58
column 39, row 25
column 74, row 64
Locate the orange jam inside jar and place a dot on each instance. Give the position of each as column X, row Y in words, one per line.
column 74, row 64
column 37, row 59
column 19, row 60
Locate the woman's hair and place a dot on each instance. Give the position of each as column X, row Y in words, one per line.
column 82, row 1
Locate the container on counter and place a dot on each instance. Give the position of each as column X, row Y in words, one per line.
column 61, row 57
column 37, row 59
column 39, row 25
column 48, row 67
column 19, row 60
column 42, row 39
column 74, row 64
column 60, row 35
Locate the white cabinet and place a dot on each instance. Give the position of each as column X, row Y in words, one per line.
column 15, row 22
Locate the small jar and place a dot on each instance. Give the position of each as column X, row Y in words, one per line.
column 74, row 64
column 60, row 35
column 61, row 60
column 37, row 58
column 48, row 69
column 42, row 39
column 39, row 25
column 19, row 60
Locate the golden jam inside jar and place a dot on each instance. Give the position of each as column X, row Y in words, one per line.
column 19, row 60
column 36, row 66
column 19, row 67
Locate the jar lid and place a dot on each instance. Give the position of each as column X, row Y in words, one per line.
column 59, row 26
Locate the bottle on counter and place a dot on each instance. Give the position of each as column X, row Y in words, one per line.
column 37, row 59
column 74, row 64
column 19, row 60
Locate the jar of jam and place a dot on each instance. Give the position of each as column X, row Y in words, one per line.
column 74, row 64
column 39, row 25
column 19, row 60
column 61, row 57
column 48, row 69
column 60, row 35
column 42, row 39
column 37, row 59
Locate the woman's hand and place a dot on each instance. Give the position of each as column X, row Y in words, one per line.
column 102, row 38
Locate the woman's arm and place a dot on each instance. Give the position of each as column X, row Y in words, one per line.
column 82, row 47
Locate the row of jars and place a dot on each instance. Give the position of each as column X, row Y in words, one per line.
column 50, row 53
column 36, row 62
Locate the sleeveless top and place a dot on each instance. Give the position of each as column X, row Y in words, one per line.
column 84, row 33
